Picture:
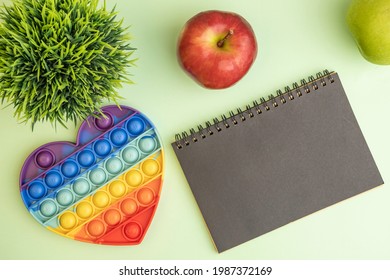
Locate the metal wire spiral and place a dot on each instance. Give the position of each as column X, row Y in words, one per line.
column 218, row 124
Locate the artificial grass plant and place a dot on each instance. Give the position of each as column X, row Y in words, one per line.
column 60, row 59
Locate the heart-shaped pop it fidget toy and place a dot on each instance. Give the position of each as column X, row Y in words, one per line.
column 105, row 188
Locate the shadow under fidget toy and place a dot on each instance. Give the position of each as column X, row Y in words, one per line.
column 103, row 189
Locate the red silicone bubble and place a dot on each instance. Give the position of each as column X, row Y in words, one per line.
column 104, row 188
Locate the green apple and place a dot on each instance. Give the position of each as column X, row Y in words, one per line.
column 369, row 22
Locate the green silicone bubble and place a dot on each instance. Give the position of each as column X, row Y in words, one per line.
column 48, row 208
column 114, row 165
column 97, row 176
column 130, row 155
column 81, row 186
column 147, row 144
column 64, row 197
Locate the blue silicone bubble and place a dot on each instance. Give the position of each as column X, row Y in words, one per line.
column 102, row 189
column 135, row 126
column 102, row 147
column 147, row 144
column 130, row 155
column 70, row 168
column 48, row 208
column 64, row 197
column 81, row 186
column 118, row 137
column 53, row 179
column 86, row 158
column 97, row 176
column 114, row 165
column 36, row 190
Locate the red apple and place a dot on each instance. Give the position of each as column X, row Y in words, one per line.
column 217, row 48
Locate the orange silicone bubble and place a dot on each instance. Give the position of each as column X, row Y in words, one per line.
column 129, row 206
column 145, row 196
column 105, row 187
column 112, row 217
column 96, row 228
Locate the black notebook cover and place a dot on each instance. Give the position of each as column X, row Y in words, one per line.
column 277, row 161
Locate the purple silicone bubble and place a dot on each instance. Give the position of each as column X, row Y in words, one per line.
column 50, row 186
column 44, row 159
column 104, row 123
column 39, row 163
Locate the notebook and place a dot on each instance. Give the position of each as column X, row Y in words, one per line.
column 257, row 169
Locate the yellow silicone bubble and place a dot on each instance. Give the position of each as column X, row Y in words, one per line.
column 100, row 199
column 150, row 167
column 84, row 210
column 133, row 178
column 68, row 220
column 117, row 188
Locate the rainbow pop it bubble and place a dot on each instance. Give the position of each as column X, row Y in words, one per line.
column 105, row 188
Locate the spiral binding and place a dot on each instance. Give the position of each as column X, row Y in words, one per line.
column 256, row 108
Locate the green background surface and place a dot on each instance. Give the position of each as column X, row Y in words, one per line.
column 296, row 38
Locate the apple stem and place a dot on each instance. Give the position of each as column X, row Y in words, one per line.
column 222, row 41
